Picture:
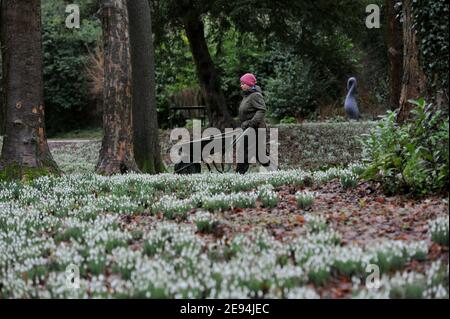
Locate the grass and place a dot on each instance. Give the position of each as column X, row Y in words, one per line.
column 306, row 146
column 86, row 133
column 318, row 145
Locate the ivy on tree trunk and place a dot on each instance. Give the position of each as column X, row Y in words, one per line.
column 414, row 81
column 395, row 54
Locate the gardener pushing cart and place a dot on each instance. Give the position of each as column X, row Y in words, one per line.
column 252, row 112
column 249, row 142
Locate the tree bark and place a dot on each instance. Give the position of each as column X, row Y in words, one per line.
column 2, row 96
column 414, row 81
column 218, row 113
column 25, row 150
column 145, row 119
column 117, row 152
column 2, row 85
column 395, row 54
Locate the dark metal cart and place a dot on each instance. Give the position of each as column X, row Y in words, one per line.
column 186, row 167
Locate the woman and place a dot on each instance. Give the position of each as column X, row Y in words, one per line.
column 252, row 112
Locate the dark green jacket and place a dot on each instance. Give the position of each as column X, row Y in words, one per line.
column 252, row 110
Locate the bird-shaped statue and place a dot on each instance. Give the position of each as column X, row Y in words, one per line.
column 350, row 105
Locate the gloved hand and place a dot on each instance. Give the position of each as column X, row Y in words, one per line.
column 245, row 125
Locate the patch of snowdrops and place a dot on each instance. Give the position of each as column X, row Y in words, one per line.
column 305, row 199
column 409, row 285
column 439, row 230
column 50, row 224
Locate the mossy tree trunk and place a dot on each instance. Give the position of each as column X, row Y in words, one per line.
column 414, row 81
column 117, row 151
column 145, row 119
column 2, row 96
column 25, row 150
column 395, row 53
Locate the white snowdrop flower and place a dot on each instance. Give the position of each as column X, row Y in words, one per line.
column 438, row 230
column 302, row 293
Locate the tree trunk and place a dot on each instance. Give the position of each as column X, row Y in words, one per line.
column 145, row 119
column 218, row 113
column 117, row 152
column 25, row 150
column 414, row 82
column 2, row 96
column 395, row 54
column 2, row 85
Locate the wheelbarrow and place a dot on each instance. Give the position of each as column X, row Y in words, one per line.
column 193, row 167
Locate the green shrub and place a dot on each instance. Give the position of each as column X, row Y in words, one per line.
column 66, row 52
column 430, row 23
column 411, row 158
column 288, row 120
column 292, row 90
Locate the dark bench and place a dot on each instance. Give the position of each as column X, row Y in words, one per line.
column 189, row 112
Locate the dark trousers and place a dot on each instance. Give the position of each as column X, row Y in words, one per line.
column 243, row 167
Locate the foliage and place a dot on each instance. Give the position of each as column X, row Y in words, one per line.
column 431, row 25
column 2, row 100
column 295, row 82
column 301, row 57
column 174, row 71
column 65, row 59
column 236, row 53
column 292, row 90
column 288, row 120
column 410, row 158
